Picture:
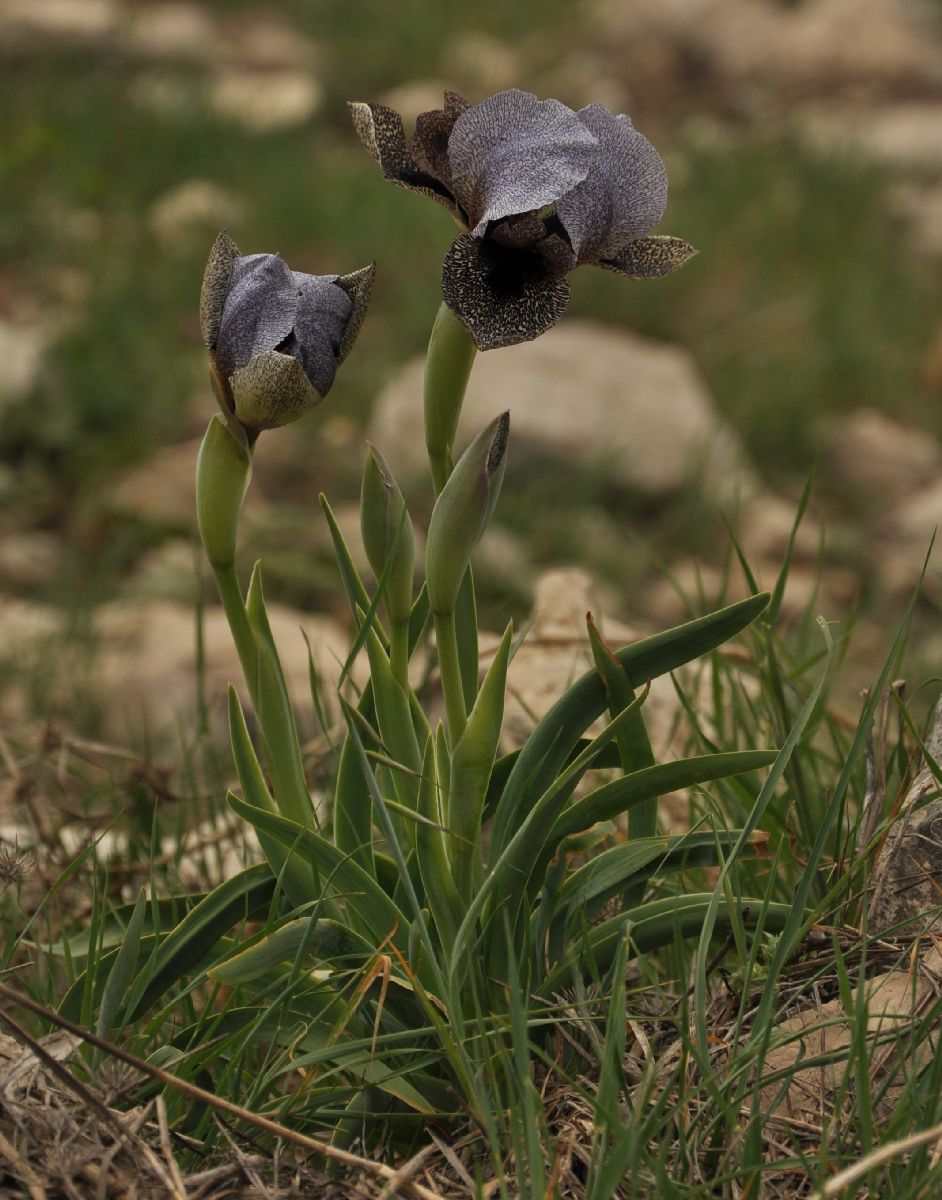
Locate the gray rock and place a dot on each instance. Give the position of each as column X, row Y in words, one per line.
column 870, row 452
column 263, row 100
column 619, row 403
column 906, row 880
column 192, row 208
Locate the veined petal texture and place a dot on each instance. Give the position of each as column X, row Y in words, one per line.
column 513, row 153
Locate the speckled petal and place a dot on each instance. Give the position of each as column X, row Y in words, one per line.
column 216, row 286
column 650, row 257
column 259, row 311
column 380, row 130
column 502, row 296
column 358, row 285
column 271, row 390
column 624, row 195
column 513, row 153
column 323, row 312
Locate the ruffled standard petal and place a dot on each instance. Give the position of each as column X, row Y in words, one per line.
column 216, row 287
column 624, row 194
column 503, row 296
column 513, row 153
column 650, row 257
column 323, row 312
column 380, row 130
column 359, row 286
column 271, row 390
column 259, row 311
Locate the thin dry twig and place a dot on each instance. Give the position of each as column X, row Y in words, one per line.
column 325, row 1149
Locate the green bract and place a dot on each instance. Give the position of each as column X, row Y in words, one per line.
column 462, row 512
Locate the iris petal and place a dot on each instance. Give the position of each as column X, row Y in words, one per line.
column 323, row 311
column 513, row 153
column 259, row 311
column 271, row 390
column 380, row 130
column 650, row 257
column 503, row 296
column 216, row 287
column 624, row 194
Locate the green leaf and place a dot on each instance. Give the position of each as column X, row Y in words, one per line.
column 633, row 743
column 123, row 967
column 620, row 795
column 431, row 853
column 275, row 715
column 309, row 936
column 551, row 741
column 472, row 761
column 299, row 881
column 188, row 946
column 657, row 924
column 360, row 894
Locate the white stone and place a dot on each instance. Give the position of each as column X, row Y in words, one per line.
column 173, row 30
column 79, row 20
column 264, row 100
column 193, row 206
column 906, row 134
column 21, row 351
column 872, row 452
column 619, row 403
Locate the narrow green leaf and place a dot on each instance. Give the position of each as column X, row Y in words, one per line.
column 620, row 795
column 123, row 967
column 431, row 853
column 361, row 894
column 275, row 715
column 657, row 924
column 634, row 745
column 190, row 944
column 551, row 741
column 472, row 761
column 299, row 881
column 314, row 938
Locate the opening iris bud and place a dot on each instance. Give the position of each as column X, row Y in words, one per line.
column 387, row 536
column 223, row 472
column 462, row 512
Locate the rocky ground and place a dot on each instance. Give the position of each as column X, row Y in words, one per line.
column 631, row 433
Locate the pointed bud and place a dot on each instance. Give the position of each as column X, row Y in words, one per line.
column 387, row 535
column 223, row 471
column 462, row 512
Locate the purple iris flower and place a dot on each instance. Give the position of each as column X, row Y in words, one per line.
column 539, row 190
column 275, row 336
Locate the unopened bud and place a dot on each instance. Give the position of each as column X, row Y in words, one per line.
column 462, row 512
column 387, row 535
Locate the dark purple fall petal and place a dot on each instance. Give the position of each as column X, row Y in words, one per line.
column 513, row 154
column 503, row 296
column 624, row 194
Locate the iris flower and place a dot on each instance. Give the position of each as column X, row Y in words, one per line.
column 275, row 336
column 538, row 189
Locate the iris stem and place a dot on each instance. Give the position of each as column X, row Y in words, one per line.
column 447, row 368
column 449, row 666
column 233, row 604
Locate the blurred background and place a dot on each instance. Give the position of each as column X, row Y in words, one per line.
column 803, row 140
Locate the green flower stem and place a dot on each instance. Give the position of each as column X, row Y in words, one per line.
column 450, row 667
column 399, row 653
column 447, row 367
column 233, row 606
